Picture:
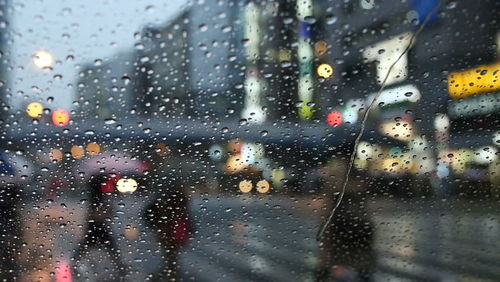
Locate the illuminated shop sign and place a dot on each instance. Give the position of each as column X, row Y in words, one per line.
column 482, row 79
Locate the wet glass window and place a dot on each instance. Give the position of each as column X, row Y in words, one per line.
column 260, row 140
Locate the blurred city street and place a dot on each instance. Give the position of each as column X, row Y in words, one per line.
column 256, row 140
column 272, row 238
column 252, row 238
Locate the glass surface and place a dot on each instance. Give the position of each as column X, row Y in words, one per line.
column 278, row 140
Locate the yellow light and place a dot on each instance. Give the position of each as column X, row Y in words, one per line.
column 126, row 185
column 34, row 109
column 392, row 165
column 325, row 71
column 263, row 186
column 235, row 164
column 245, row 186
column 93, row 149
column 482, row 79
column 77, row 152
column 399, row 130
column 43, row 59
column 56, row 155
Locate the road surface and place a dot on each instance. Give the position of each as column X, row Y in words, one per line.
column 272, row 238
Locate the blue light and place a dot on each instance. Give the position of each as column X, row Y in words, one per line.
column 424, row 8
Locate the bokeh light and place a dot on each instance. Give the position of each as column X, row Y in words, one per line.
column 325, row 71
column 126, row 185
column 43, row 59
column 263, row 186
column 93, row 149
column 34, row 109
column 77, row 152
column 335, row 118
column 235, row 164
column 245, row 186
column 56, row 155
column 399, row 130
column 216, row 152
column 61, row 117
column 234, row 146
column 320, row 48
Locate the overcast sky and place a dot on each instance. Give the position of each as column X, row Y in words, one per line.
column 86, row 30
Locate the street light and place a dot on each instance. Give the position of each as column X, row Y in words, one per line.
column 43, row 59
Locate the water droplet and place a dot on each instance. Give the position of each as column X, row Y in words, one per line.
column 203, row 27
column 451, row 5
column 310, row 19
column 331, row 19
column 109, row 121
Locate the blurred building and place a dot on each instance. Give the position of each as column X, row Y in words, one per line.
column 106, row 89
column 186, row 67
column 162, row 64
column 233, row 60
column 322, row 63
column 422, row 104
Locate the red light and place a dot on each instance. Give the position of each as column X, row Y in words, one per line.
column 63, row 272
column 335, row 118
column 108, row 186
column 61, row 117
